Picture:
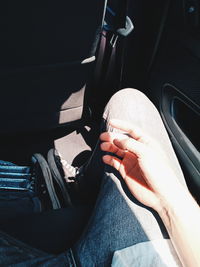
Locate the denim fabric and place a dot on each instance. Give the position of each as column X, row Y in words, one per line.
column 14, row 204
column 118, row 220
column 53, row 231
column 16, row 253
column 6, row 165
column 17, row 196
column 11, row 167
column 13, row 177
column 14, row 182
column 156, row 253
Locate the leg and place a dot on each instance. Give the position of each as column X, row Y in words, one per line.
column 119, row 220
column 56, row 237
column 133, row 106
column 15, row 253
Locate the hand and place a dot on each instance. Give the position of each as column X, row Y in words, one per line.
column 141, row 163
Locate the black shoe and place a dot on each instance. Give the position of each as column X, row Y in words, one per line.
column 78, row 186
column 43, row 183
column 63, row 173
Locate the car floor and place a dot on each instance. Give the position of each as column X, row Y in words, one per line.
column 67, row 224
column 75, row 145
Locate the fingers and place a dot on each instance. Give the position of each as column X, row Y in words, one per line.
column 112, row 161
column 109, row 147
column 110, row 136
column 129, row 144
column 127, row 127
column 119, row 143
column 108, row 144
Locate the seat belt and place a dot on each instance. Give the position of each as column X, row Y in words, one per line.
column 120, row 26
column 117, row 26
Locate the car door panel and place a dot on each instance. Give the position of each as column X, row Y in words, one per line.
column 181, row 117
column 175, row 88
column 164, row 62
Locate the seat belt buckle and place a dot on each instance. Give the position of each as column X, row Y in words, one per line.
column 128, row 28
column 109, row 26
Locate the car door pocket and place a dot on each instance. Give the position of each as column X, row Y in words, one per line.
column 182, row 119
column 187, row 119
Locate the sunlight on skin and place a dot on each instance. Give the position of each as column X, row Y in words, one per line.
column 129, row 170
column 146, row 171
column 137, row 157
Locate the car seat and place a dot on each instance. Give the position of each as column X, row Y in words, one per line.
column 47, row 55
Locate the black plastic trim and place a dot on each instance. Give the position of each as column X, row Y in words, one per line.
column 186, row 151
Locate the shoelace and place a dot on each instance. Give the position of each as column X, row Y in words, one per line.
column 71, row 170
column 72, row 174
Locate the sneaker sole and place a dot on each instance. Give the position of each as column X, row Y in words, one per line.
column 48, row 181
column 57, row 176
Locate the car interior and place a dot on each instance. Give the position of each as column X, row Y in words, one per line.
column 61, row 61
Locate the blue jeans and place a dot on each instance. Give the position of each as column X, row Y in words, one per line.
column 21, row 199
column 118, row 220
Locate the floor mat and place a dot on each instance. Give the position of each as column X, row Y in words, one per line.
column 74, row 145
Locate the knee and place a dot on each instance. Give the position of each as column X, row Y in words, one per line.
column 128, row 95
column 126, row 103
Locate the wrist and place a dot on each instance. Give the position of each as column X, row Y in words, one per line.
column 174, row 204
column 181, row 217
column 174, row 201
